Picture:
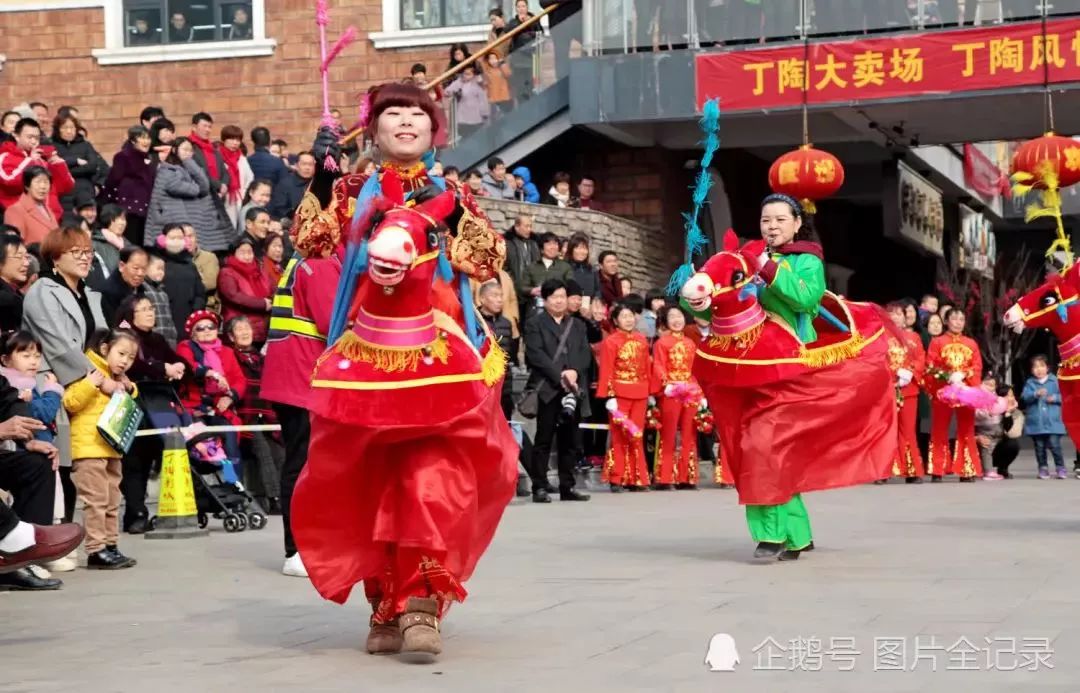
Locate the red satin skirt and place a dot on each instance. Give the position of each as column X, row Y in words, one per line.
column 827, row 428
column 437, row 491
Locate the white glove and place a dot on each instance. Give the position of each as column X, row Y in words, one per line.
column 903, row 377
column 652, row 401
column 762, row 259
column 612, row 405
column 704, row 404
column 668, row 389
column 956, row 379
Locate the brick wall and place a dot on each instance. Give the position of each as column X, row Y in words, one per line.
column 49, row 60
column 642, row 252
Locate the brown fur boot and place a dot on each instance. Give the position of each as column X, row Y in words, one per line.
column 420, row 628
column 383, row 638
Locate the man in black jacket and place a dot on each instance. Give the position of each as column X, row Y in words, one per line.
column 13, row 265
column 265, row 165
column 522, row 250
column 127, row 280
column 288, row 193
column 559, row 377
column 27, row 470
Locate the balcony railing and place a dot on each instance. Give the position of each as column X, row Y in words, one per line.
column 627, row 26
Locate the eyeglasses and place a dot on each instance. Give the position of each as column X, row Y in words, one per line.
column 205, row 328
column 81, row 253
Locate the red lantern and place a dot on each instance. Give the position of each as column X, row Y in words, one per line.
column 1051, row 152
column 807, row 174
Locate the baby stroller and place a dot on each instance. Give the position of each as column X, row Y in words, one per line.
column 218, row 491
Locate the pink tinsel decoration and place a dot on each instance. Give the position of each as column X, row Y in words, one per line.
column 688, row 394
column 626, row 424
column 365, row 110
column 972, row 398
column 348, row 37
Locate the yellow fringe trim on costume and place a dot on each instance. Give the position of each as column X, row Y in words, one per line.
column 834, row 353
column 743, row 340
column 387, row 359
column 494, row 365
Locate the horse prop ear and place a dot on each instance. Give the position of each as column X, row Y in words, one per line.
column 731, row 241
column 438, row 207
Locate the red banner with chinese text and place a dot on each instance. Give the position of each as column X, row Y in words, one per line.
column 995, row 57
column 983, row 175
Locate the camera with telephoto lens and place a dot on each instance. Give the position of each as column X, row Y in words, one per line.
column 569, row 404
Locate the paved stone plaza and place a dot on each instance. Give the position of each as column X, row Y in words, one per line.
column 622, row 593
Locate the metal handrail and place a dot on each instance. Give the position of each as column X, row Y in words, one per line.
column 532, row 21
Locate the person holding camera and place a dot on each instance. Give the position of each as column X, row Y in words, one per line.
column 558, row 355
column 624, row 379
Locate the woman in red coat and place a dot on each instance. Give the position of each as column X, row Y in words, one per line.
column 214, row 384
column 673, row 362
column 245, row 290
column 624, row 377
column 952, row 358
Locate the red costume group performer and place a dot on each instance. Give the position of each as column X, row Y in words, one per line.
column 411, row 461
column 908, row 361
column 673, row 362
column 952, row 358
column 624, row 378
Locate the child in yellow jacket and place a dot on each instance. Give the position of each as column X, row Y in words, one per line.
column 95, row 467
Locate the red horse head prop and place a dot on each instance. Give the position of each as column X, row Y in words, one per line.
column 1052, row 305
column 724, row 288
column 403, row 247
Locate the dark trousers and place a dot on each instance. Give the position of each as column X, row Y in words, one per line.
column 133, row 232
column 70, row 493
column 136, row 465
column 551, row 425
column 29, row 477
column 1004, row 453
column 296, row 430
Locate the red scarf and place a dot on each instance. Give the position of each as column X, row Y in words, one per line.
column 258, row 284
column 232, row 163
column 207, row 148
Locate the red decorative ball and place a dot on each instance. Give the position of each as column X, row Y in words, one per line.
column 1049, row 153
column 807, row 174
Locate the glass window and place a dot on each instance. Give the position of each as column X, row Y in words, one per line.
column 152, row 22
column 142, row 27
column 429, row 14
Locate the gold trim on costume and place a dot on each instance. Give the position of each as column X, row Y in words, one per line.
column 813, row 358
column 398, row 385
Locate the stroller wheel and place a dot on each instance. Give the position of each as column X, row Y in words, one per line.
column 256, row 520
column 203, row 520
column 242, row 519
column 151, row 523
column 232, row 523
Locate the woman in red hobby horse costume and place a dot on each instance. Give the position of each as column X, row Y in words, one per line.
column 1055, row 305
column 411, row 461
column 802, row 403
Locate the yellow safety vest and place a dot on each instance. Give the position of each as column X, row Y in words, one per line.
column 282, row 320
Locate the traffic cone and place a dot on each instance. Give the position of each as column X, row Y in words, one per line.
column 177, row 516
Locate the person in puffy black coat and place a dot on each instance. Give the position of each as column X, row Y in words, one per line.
column 186, row 291
column 83, row 161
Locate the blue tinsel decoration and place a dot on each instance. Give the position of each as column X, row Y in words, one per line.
column 443, row 270
column 472, row 329
column 695, row 239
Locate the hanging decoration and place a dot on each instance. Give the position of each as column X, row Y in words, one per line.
column 807, row 174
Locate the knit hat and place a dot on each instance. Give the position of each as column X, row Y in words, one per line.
column 199, row 315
